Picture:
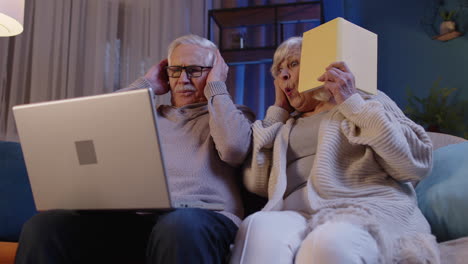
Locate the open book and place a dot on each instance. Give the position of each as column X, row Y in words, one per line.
column 339, row 40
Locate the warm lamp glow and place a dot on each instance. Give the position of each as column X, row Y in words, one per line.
column 11, row 17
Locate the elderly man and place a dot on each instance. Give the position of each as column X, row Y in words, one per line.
column 204, row 137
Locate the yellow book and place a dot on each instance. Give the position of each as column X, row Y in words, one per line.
column 339, row 40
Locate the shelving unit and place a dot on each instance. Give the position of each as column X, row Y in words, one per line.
column 251, row 34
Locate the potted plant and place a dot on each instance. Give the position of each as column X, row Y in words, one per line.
column 448, row 25
column 441, row 111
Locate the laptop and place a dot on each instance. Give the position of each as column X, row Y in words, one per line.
column 98, row 152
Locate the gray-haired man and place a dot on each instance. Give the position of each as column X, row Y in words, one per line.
column 204, row 137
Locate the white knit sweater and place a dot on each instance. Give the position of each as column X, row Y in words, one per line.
column 368, row 154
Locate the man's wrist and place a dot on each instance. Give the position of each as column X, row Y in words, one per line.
column 215, row 88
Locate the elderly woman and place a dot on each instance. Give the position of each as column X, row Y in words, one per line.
column 337, row 166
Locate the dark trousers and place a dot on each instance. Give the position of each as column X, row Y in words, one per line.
column 181, row 236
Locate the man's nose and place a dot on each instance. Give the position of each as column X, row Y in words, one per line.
column 184, row 77
column 285, row 74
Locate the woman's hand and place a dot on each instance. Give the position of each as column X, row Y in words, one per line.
column 339, row 81
column 219, row 71
column 280, row 98
column 158, row 78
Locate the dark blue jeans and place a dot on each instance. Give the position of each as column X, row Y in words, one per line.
column 181, row 236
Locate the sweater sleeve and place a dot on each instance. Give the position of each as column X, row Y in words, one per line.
column 257, row 169
column 401, row 147
column 139, row 83
column 230, row 126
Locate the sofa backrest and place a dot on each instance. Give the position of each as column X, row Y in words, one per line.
column 16, row 201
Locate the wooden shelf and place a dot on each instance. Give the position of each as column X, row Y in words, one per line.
column 266, row 14
column 244, row 56
column 448, row 36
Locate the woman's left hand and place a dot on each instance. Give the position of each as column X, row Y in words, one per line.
column 339, row 81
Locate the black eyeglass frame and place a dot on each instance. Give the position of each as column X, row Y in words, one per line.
column 184, row 68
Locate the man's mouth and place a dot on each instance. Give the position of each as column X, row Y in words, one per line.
column 185, row 91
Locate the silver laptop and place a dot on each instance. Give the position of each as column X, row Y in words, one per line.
column 96, row 153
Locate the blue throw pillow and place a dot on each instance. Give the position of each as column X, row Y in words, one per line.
column 443, row 195
column 16, row 201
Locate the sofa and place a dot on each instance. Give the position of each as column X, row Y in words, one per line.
column 442, row 197
column 16, row 201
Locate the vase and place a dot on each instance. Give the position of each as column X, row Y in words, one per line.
column 447, row 27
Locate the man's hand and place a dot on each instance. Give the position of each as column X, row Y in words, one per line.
column 280, row 98
column 339, row 81
column 157, row 77
column 219, row 71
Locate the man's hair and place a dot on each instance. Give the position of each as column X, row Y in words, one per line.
column 194, row 40
column 294, row 44
column 283, row 51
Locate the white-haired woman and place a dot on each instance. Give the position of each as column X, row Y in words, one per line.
column 337, row 166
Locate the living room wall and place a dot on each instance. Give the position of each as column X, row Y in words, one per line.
column 408, row 57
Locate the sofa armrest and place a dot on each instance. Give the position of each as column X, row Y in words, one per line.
column 440, row 140
column 8, row 252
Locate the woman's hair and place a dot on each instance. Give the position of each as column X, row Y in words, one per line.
column 283, row 51
column 193, row 40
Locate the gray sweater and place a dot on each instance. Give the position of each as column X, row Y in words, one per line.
column 203, row 145
column 368, row 153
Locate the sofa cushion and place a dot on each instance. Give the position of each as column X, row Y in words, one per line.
column 443, row 194
column 16, row 201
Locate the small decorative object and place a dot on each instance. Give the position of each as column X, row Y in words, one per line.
column 448, row 25
column 238, row 39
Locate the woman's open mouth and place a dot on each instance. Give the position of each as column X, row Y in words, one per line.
column 288, row 91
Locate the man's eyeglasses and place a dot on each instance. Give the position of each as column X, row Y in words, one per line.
column 191, row 71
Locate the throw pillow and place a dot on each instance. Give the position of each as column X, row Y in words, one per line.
column 443, row 194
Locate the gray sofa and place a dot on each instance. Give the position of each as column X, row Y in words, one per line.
column 16, row 203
